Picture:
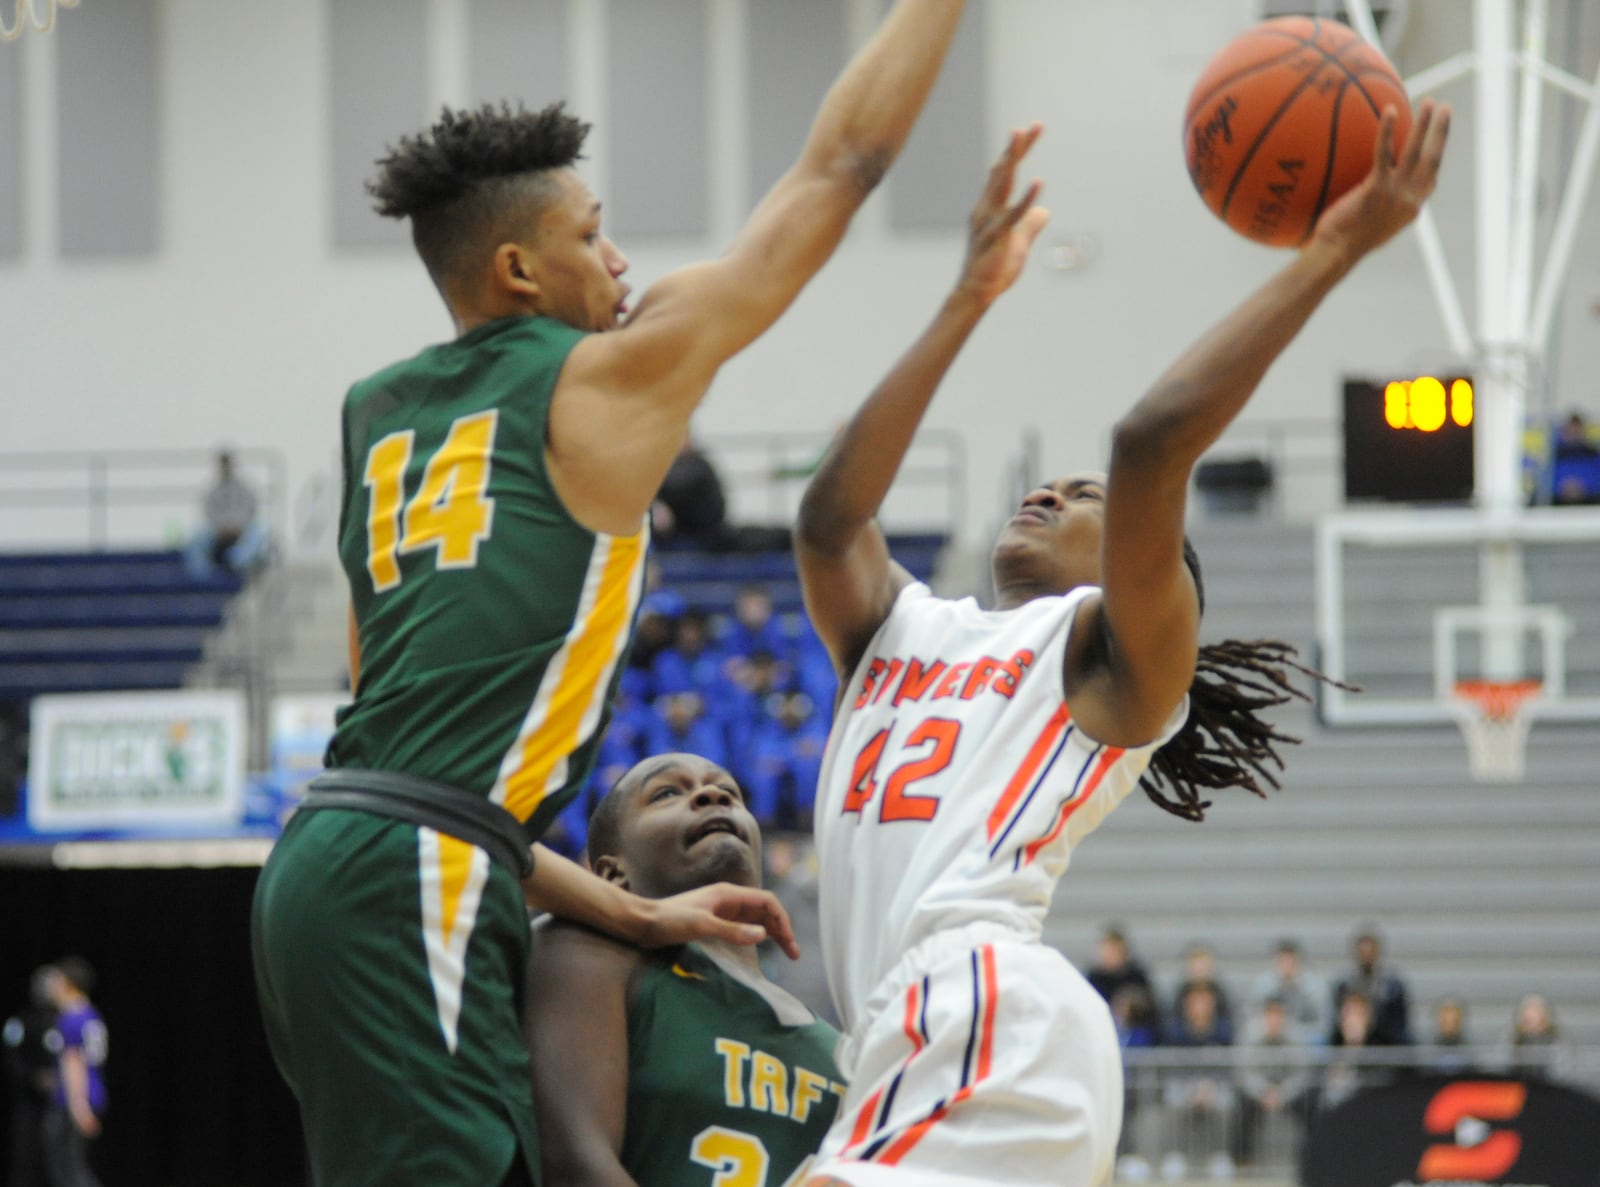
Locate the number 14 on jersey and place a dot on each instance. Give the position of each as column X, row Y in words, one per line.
column 451, row 512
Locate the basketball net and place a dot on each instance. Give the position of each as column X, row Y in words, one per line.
column 26, row 13
column 1494, row 716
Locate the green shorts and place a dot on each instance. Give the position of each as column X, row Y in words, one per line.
column 389, row 963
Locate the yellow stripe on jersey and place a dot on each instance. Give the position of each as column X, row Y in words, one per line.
column 451, row 874
column 572, row 694
column 455, row 866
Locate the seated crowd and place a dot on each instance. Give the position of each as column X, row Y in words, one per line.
column 752, row 691
column 1296, row 1045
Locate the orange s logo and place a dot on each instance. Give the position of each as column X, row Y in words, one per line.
column 1478, row 1152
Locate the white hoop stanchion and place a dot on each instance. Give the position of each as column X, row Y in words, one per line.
column 26, row 15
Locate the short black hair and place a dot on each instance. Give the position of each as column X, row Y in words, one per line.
column 472, row 176
column 79, row 972
column 605, row 823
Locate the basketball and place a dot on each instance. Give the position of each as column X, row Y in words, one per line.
column 1283, row 121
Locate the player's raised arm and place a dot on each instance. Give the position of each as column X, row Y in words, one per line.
column 848, row 578
column 624, row 400
column 733, row 914
column 1150, row 614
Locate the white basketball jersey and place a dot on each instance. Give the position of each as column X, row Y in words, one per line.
column 955, row 783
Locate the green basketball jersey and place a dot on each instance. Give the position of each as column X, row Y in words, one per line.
column 719, row 1089
column 493, row 626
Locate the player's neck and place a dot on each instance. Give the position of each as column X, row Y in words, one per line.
column 743, row 955
column 1020, row 593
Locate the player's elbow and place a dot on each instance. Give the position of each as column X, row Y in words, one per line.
column 1137, row 439
column 851, row 171
column 823, row 528
column 1149, row 438
column 865, row 168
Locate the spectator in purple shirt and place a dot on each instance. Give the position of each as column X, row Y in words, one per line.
column 79, row 1044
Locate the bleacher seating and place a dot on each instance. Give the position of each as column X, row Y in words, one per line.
column 103, row 621
column 1484, row 891
column 748, row 717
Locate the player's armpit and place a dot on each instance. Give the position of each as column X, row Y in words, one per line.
column 849, row 595
column 1124, row 697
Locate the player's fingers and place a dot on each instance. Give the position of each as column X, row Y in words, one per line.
column 713, row 927
column 1433, row 148
column 1003, row 173
column 1029, row 200
column 1383, row 153
column 1033, row 224
column 1412, row 152
column 1028, row 138
column 758, row 910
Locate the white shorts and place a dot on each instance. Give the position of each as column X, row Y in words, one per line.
column 998, row 1064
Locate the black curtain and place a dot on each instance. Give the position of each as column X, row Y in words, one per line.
column 195, row 1098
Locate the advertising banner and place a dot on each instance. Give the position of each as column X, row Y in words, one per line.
column 302, row 724
column 1463, row 1132
column 159, row 761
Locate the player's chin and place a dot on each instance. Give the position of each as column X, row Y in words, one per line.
column 1015, row 540
column 723, row 857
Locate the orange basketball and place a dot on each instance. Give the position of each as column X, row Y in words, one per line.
column 1284, row 120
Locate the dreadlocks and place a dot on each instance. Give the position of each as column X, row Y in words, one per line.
column 1225, row 742
column 475, row 178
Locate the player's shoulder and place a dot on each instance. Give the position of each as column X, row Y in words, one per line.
column 564, row 952
column 536, row 337
column 917, row 599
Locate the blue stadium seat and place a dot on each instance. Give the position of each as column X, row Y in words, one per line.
column 79, row 622
column 710, row 581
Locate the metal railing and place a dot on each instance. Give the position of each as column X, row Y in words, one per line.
column 1306, row 457
column 61, row 501
column 1243, row 1112
column 113, row 498
column 765, row 474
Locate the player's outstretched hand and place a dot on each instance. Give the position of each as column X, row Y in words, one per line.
column 1002, row 233
column 722, row 911
column 1393, row 193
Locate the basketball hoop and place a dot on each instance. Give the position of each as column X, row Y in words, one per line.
column 26, row 12
column 1494, row 716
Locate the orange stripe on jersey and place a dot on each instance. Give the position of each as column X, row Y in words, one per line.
column 913, row 1004
column 1029, row 768
column 991, row 993
column 864, row 1127
column 991, row 990
column 592, row 649
column 1107, row 761
column 864, row 1119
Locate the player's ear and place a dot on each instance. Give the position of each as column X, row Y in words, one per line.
column 610, row 868
column 513, row 271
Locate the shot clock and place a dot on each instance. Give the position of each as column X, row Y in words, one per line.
column 1409, row 440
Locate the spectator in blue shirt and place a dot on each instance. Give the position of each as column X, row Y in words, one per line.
column 782, row 760
column 695, row 662
column 681, row 727
column 755, row 626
